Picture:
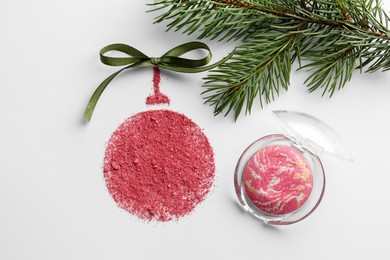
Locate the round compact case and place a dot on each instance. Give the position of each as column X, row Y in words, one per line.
column 279, row 178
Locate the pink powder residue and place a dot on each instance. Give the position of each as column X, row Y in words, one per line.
column 278, row 179
column 159, row 165
column 157, row 97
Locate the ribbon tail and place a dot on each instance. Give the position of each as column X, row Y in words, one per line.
column 199, row 69
column 98, row 92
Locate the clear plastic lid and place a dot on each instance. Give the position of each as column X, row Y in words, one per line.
column 312, row 134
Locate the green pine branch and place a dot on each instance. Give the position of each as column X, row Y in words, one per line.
column 329, row 38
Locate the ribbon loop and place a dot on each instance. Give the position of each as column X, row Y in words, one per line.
column 171, row 60
column 135, row 55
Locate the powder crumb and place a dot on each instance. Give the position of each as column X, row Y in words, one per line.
column 159, row 165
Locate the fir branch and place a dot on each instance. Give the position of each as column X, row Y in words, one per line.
column 258, row 68
column 331, row 71
column 330, row 39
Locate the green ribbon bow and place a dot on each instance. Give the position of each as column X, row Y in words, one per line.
column 170, row 61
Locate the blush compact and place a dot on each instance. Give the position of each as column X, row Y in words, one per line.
column 279, row 178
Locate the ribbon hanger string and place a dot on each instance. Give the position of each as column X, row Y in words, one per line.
column 171, row 60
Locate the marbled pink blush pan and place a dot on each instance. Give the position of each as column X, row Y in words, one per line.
column 278, row 179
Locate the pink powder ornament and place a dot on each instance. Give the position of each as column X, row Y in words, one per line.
column 158, row 164
column 280, row 179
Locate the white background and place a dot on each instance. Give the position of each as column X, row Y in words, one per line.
column 53, row 199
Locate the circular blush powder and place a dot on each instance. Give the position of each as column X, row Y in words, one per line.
column 278, row 179
column 159, row 165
